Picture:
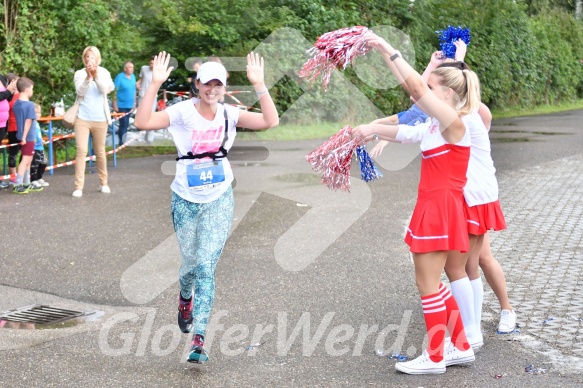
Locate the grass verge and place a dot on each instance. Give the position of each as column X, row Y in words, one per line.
column 141, row 151
column 538, row 110
column 293, row 132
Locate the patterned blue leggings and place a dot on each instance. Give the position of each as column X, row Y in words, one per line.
column 202, row 230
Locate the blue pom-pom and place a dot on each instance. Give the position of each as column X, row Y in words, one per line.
column 367, row 168
column 451, row 34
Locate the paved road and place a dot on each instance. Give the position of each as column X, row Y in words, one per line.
column 321, row 280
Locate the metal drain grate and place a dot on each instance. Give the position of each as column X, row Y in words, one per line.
column 40, row 315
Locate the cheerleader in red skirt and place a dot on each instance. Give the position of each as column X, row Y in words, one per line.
column 438, row 223
column 482, row 204
column 483, row 213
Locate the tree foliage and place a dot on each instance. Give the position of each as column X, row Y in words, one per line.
column 526, row 52
column 44, row 40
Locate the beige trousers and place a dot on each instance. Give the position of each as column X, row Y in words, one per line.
column 98, row 131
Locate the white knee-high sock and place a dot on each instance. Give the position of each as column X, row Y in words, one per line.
column 478, row 288
column 464, row 296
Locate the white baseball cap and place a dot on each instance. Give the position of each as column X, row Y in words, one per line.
column 212, row 70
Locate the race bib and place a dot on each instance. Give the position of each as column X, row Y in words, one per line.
column 203, row 175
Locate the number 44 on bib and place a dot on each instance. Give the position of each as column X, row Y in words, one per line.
column 204, row 174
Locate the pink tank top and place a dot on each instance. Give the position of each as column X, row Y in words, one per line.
column 4, row 108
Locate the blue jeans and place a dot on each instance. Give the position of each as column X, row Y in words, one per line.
column 202, row 230
column 124, row 122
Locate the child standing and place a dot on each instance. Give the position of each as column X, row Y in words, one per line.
column 26, row 135
column 203, row 131
column 39, row 161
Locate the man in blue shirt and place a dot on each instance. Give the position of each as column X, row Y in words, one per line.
column 412, row 116
column 125, row 97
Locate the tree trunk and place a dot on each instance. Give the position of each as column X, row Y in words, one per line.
column 10, row 16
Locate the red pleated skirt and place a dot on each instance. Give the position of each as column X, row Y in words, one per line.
column 482, row 218
column 438, row 222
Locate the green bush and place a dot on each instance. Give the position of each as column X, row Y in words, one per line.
column 561, row 47
column 521, row 60
column 526, row 53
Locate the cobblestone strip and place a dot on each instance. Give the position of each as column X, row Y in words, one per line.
column 541, row 252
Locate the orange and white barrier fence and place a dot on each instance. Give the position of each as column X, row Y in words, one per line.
column 116, row 117
column 92, row 158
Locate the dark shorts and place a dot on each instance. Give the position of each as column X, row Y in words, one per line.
column 27, row 149
column 14, row 150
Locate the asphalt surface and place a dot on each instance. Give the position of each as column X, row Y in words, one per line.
column 314, row 288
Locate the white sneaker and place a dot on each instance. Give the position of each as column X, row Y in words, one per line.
column 36, row 184
column 43, row 183
column 476, row 342
column 105, row 189
column 454, row 356
column 507, row 321
column 78, row 193
column 422, row 365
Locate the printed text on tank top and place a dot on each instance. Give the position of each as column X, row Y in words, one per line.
column 207, row 144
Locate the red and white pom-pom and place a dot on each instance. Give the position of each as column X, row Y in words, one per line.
column 332, row 50
column 334, row 159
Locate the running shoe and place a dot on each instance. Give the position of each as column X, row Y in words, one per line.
column 32, row 188
column 185, row 314
column 198, row 353
column 20, row 189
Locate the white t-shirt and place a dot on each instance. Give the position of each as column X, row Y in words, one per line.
column 193, row 133
column 482, row 186
column 91, row 108
column 94, row 106
column 411, row 134
column 146, row 77
column 428, row 134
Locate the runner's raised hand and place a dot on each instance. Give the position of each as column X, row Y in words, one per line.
column 160, row 69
